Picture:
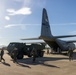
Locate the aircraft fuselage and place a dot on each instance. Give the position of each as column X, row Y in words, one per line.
column 62, row 45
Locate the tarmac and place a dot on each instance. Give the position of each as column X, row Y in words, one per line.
column 51, row 64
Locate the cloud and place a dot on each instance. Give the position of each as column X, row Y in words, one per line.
column 7, row 17
column 22, row 26
column 11, row 10
column 9, row 26
column 22, row 11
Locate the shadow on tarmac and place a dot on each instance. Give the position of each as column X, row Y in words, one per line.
column 40, row 61
column 23, row 65
column 6, row 64
column 50, row 65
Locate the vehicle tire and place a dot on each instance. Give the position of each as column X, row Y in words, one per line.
column 20, row 56
column 29, row 55
column 42, row 53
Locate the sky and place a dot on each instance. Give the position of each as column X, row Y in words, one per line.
column 22, row 19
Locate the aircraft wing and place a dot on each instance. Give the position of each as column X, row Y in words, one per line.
column 65, row 36
column 70, row 41
column 39, row 38
column 31, row 38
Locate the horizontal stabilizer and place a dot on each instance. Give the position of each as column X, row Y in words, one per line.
column 65, row 36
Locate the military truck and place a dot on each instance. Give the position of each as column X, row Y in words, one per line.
column 26, row 49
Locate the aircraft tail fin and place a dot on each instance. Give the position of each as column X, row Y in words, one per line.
column 45, row 29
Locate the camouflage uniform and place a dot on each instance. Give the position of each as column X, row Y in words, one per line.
column 34, row 55
column 15, row 53
column 47, row 51
column 70, row 53
column 2, row 53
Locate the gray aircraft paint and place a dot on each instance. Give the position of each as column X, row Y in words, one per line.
column 47, row 36
column 45, row 30
column 53, row 41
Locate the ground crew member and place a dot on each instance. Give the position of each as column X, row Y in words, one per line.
column 34, row 55
column 14, row 54
column 70, row 53
column 47, row 51
column 2, row 53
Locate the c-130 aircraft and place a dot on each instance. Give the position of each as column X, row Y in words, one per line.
column 53, row 41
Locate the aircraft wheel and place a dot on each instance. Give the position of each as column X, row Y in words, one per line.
column 29, row 55
column 42, row 53
column 52, row 51
column 59, row 51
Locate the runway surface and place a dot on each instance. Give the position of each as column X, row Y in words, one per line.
column 52, row 64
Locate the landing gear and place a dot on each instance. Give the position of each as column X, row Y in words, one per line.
column 52, row 51
column 59, row 50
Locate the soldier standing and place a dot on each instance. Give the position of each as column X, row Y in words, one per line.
column 47, row 51
column 15, row 53
column 2, row 53
column 34, row 55
column 70, row 53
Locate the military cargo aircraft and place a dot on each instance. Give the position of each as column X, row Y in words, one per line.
column 53, row 41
